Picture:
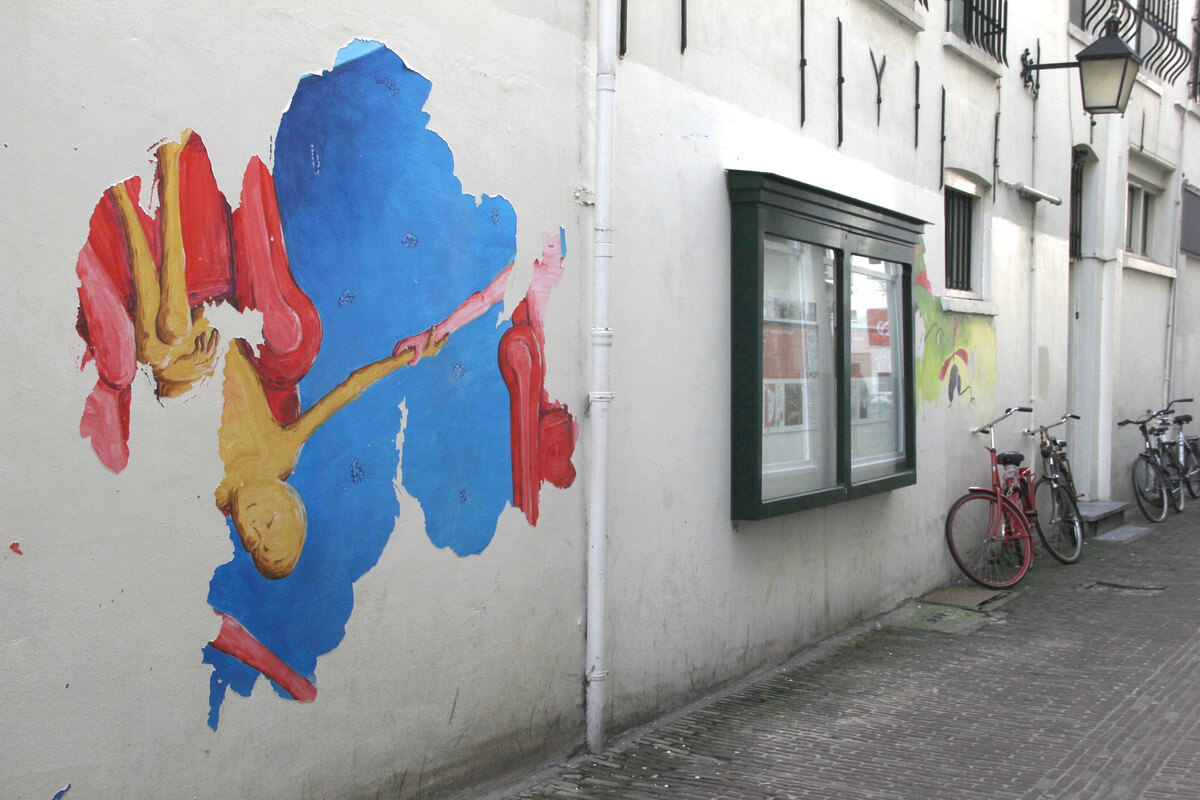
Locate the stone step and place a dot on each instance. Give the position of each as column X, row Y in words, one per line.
column 1101, row 516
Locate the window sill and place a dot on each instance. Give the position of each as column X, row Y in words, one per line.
column 971, row 55
column 905, row 13
column 969, row 305
column 1079, row 34
column 1143, row 264
column 1149, row 83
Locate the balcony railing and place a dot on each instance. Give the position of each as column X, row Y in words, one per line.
column 983, row 23
column 1155, row 38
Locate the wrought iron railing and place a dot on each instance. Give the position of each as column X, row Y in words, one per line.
column 983, row 23
column 1155, row 39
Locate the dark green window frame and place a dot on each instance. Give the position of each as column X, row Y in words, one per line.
column 764, row 205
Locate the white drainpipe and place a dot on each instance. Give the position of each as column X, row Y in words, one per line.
column 600, row 396
column 1180, row 264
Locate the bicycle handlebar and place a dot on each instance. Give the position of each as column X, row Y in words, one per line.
column 1008, row 412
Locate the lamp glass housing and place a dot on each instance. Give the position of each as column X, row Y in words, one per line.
column 1106, row 83
column 1107, row 69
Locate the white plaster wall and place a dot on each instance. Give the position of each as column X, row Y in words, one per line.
column 1145, row 301
column 452, row 669
column 697, row 599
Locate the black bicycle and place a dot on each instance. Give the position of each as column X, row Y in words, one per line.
column 1059, row 523
column 1157, row 477
column 1184, row 449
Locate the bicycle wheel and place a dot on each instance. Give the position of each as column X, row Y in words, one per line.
column 1173, row 471
column 989, row 539
column 1149, row 488
column 1059, row 524
column 1191, row 472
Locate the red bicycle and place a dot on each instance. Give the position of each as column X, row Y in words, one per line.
column 989, row 530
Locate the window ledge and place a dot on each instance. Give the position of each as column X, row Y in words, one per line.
column 972, row 55
column 1149, row 83
column 905, row 13
column 968, row 305
column 1143, row 264
column 1079, row 34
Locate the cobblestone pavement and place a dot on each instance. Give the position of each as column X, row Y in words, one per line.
column 1085, row 684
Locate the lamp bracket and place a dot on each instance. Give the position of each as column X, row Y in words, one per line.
column 1030, row 66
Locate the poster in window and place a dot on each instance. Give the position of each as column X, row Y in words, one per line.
column 793, row 404
column 783, row 352
column 878, row 327
column 783, row 405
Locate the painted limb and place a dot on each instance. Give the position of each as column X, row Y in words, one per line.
column 173, row 321
column 408, row 350
column 468, row 311
column 236, row 641
column 145, row 277
column 352, row 388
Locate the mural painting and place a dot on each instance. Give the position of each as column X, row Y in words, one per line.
column 377, row 280
column 955, row 353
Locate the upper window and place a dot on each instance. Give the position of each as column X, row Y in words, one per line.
column 960, row 213
column 822, row 347
column 965, row 234
column 983, row 23
column 1139, row 220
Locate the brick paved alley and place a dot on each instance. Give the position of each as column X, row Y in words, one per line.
column 1084, row 684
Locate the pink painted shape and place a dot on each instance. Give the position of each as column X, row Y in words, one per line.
column 922, row 280
column 106, row 328
column 233, row 639
column 542, row 433
column 468, row 311
column 961, row 353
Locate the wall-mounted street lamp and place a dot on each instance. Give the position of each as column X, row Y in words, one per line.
column 1107, row 68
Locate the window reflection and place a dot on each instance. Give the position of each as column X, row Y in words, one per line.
column 876, row 369
column 799, row 400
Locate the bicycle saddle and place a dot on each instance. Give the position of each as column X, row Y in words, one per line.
column 1012, row 457
column 1183, row 419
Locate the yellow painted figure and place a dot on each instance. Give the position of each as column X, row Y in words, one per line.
column 260, row 454
column 181, row 348
column 174, row 340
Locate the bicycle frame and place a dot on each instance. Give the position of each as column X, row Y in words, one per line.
column 1018, row 483
column 1055, row 465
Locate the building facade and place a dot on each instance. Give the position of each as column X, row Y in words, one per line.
column 324, row 383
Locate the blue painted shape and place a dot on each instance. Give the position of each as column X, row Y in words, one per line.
column 384, row 178
column 356, row 49
column 62, row 794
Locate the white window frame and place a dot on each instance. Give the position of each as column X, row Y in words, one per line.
column 978, row 299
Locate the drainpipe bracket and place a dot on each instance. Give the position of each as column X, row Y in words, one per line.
column 596, row 675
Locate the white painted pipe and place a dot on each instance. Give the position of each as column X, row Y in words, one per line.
column 1180, row 264
column 600, row 396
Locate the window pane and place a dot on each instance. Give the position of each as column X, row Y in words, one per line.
column 799, row 397
column 876, row 369
column 958, row 239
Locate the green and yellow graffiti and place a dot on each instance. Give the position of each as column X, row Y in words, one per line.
column 955, row 353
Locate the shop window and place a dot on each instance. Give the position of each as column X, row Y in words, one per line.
column 821, row 374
